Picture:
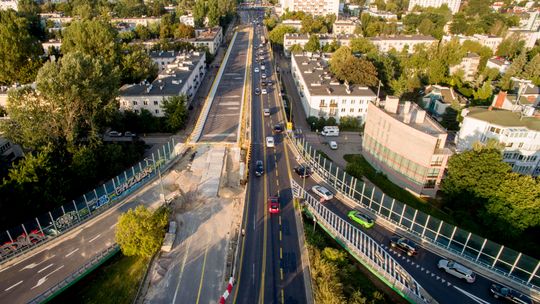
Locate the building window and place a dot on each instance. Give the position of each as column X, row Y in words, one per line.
column 343, row 110
column 344, row 101
column 352, row 101
column 437, row 160
column 433, row 172
column 360, row 110
column 134, row 103
column 429, row 184
column 351, row 110
column 145, row 102
column 156, row 102
column 157, row 111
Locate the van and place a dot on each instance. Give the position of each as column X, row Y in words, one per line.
column 330, row 131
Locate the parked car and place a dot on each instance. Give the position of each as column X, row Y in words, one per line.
column 457, row 270
column 266, row 112
column 259, row 168
column 303, row 170
column 333, row 145
column 273, row 205
column 270, row 142
column 264, row 91
column 500, row 291
column 115, row 134
column 129, row 134
column 404, row 244
column 256, row 70
column 263, row 83
column 278, row 128
column 270, row 82
column 257, row 91
column 263, row 75
column 322, row 192
column 361, row 218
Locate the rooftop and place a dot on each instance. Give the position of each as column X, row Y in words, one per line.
column 207, row 33
column 404, row 37
column 412, row 115
column 504, row 118
column 321, row 82
column 163, row 54
column 170, row 81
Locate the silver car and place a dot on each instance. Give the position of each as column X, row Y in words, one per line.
column 457, row 270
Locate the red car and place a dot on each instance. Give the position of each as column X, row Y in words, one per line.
column 273, row 205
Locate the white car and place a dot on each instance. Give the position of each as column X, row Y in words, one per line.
column 263, row 76
column 270, row 142
column 333, row 145
column 256, row 70
column 264, row 91
column 457, row 270
column 266, row 112
column 322, row 192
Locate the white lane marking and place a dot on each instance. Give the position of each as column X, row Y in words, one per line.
column 94, row 238
column 13, row 286
column 29, row 266
column 470, row 295
column 113, row 225
column 72, row 252
column 253, row 274
column 42, row 280
column 46, row 267
column 183, row 264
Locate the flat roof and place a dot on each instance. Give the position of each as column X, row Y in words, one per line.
column 504, row 118
column 320, row 81
column 169, row 82
column 403, row 37
column 428, row 125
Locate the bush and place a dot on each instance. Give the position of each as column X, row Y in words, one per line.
column 349, row 123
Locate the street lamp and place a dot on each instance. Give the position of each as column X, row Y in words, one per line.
column 162, row 195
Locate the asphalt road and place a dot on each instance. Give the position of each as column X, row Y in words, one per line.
column 270, row 261
column 223, row 120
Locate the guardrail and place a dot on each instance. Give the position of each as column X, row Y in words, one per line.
column 97, row 260
column 44, row 228
column 518, row 267
column 364, row 249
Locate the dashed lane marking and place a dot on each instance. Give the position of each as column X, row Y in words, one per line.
column 72, row 252
column 94, row 238
column 45, row 268
column 13, row 286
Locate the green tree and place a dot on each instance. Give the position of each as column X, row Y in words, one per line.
column 515, row 69
column 19, row 50
column 313, row 44
column 142, row 32
column 130, row 8
column 184, row 31
column 213, row 13
column 175, row 112
column 166, row 27
column 346, row 67
column 140, row 232
column 277, row 34
column 199, row 13
column 532, row 70
column 96, row 38
column 296, row 49
column 510, row 47
column 484, row 92
column 137, row 65
column 362, row 45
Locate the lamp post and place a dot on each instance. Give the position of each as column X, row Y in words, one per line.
column 162, row 195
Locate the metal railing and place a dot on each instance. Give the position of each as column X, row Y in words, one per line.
column 41, row 229
column 489, row 255
column 364, row 248
column 73, row 277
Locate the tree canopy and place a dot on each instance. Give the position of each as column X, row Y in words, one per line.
column 347, row 67
column 140, row 232
column 175, row 112
column 276, row 35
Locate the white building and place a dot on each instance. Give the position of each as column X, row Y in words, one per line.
column 208, row 37
column 346, row 27
column 296, row 24
column 490, row 41
column 163, row 58
column 452, row 4
column 528, row 36
column 374, row 12
column 469, row 65
column 316, row 8
column 301, row 39
column 385, row 44
column 500, row 64
column 519, row 135
column 324, row 96
column 181, row 76
column 438, row 98
column 8, row 4
column 189, row 20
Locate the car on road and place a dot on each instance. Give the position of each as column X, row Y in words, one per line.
column 278, row 128
column 333, row 145
column 270, row 142
column 361, row 218
column 115, row 134
column 404, row 244
column 510, row 295
column 256, row 70
column 457, row 270
column 263, row 67
column 257, row 91
column 264, row 91
column 270, row 82
column 259, row 168
column 129, row 134
column 303, row 171
column 266, row 112
column 322, row 192
column 263, row 75
column 273, row 205
column 263, row 83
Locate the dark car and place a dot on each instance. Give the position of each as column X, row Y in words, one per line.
column 500, row 291
column 303, row 171
column 263, row 83
column 404, row 244
column 259, row 168
column 278, row 128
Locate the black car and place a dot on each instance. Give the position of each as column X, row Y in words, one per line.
column 303, row 171
column 263, row 83
column 500, row 291
column 404, row 244
column 278, row 128
column 259, row 168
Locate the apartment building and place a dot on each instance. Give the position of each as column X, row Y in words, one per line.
column 9, row 4
column 316, row 8
column 400, row 42
column 452, row 4
column 517, row 133
column 524, row 99
column 324, row 96
column 405, row 144
column 375, row 12
column 9, row 151
column 438, row 98
column 208, row 37
column 181, row 76
column 344, row 27
column 301, row 39
column 296, row 24
column 528, row 36
column 469, row 65
column 490, row 41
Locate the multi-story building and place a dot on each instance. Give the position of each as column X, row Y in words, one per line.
column 346, row 27
column 519, row 135
column 296, row 24
column 316, row 8
column 452, row 4
column 163, row 58
column 498, row 63
column 385, row 44
column 374, row 12
column 301, row 39
column 469, row 65
column 439, row 98
column 8, row 4
column 9, row 151
column 324, row 96
column 528, row 36
column 180, row 77
column 490, row 41
column 405, row 144
column 524, row 98
column 208, row 37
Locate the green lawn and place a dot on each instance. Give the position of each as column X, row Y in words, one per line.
column 116, row 281
column 359, row 167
